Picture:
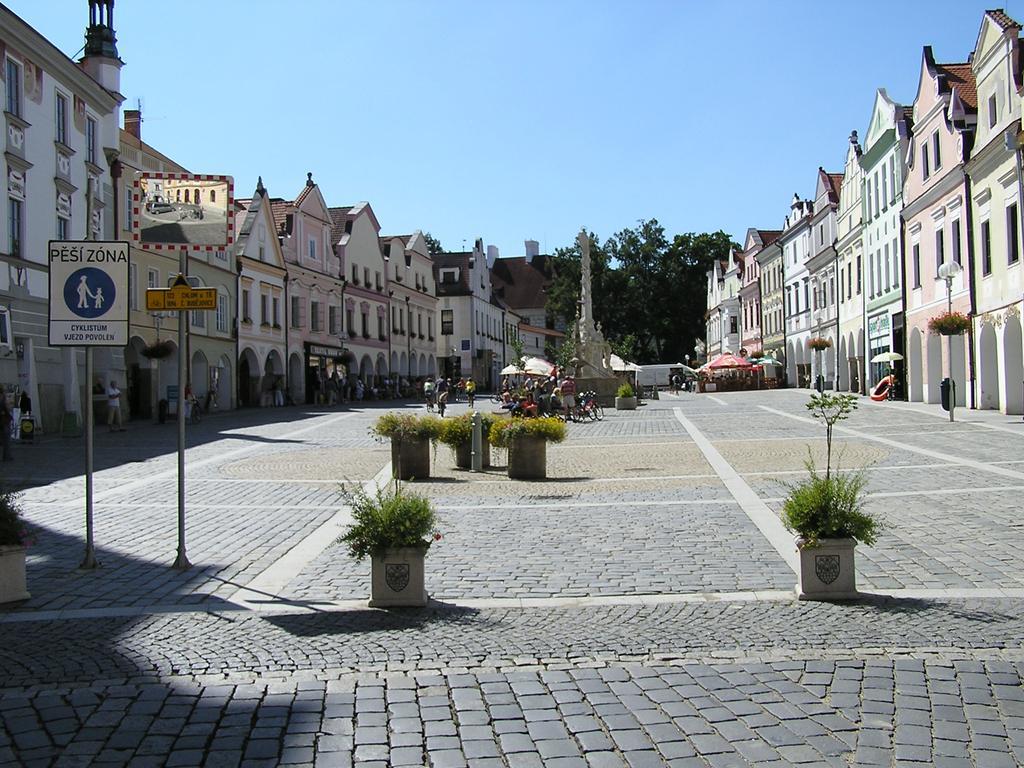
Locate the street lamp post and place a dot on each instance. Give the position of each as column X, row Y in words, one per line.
column 947, row 272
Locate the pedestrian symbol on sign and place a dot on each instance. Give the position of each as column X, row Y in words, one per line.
column 89, row 292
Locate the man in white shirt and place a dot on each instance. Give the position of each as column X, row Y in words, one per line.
column 114, row 407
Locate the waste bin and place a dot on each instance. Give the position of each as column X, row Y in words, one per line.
column 945, row 389
column 819, row 383
column 161, row 411
column 26, row 428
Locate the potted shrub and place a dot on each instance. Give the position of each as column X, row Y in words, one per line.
column 457, row 434
column 826, row 512
column 625, row 398
column 950, row 324
column 394, row 529
column 411, row 437
column 15, row 535
column 527, row 441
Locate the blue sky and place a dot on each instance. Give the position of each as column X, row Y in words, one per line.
column 526, row 119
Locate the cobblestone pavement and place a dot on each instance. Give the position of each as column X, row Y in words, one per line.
column 691, row 650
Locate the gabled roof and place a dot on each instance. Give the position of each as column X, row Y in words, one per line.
column 961, row 77
column 339, row 217
column 835, row 182
column 520, row 281
column 458, row 259
column 281, row 209
column 999, row 16
column 769, row 236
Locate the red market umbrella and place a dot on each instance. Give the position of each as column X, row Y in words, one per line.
column 728, row 360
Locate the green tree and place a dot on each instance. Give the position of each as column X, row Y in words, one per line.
column 434, row 246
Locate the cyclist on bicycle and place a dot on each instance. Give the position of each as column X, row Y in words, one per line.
column 428, row 393
column 442, row 403
column 470, row 391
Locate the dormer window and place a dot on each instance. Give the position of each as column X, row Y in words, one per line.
column 449, row 276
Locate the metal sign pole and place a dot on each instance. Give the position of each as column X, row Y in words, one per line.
column 181, row 562
column 89, row 560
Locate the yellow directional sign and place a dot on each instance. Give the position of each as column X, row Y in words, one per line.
column 180, row 297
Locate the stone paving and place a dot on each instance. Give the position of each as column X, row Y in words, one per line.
column 658, row 625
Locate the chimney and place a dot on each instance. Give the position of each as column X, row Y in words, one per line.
column 492, row 255
column 532, row 249
column 133, row 122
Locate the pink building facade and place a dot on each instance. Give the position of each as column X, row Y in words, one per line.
column 936, row 226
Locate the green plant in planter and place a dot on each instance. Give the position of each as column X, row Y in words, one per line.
column 14, row 531
column 459, row 430
column 829, row 506
column 388, row 519
column 504, row 431
column 407, row 426
column 625, row 390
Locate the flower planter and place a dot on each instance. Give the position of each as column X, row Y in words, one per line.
column 827, row 570
column 464, row 455
column 410, row 458
column 397, row 579
column 528, row 458
column 12, row 574
column 625, row 403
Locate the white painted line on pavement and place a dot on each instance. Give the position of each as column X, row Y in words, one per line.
column 760, row 515
column 267, row 585
column 965, row 417
column 947, row 457
column 718, row 400
column 888, row 467
column 567, row 503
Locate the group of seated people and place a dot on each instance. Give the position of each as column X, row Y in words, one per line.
column 540, row 397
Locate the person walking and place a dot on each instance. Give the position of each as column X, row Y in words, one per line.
column 6, row 421
column 114, row 407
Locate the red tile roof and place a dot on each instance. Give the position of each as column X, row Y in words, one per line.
column 339, row 217
column 520, row 282
column 281, row 209
column 769, row 236
column 961, row 77
column 460, row 260
column 835, row 183
column 999, row 16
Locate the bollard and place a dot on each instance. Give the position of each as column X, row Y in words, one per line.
column 476, row 463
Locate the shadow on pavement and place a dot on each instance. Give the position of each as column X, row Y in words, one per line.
column 331, row 623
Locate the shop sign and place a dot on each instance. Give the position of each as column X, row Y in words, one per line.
column 878, row 326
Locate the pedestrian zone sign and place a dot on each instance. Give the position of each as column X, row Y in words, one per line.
column 180, row 297
column 88, row 293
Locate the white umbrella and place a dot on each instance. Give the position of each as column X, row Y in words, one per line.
column 538, row 366
column 511, row 370
column 887, row 357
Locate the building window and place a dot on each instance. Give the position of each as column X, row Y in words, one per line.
column 13, row 88
column 14, row 225
column 264, row 309
column 366, row 276
column 126, row 223
column 936, row 152
column 61, row 119
column 1012, row 235
column 222, row 313
column 849, row 280
column 986, row 248
column 152, row 278
column 430, row 328
column 916, row 259
column 213, row 196
column 63, row 228
column 867, row 210
column 925, row 170
column 355, row 275
column 992, row 112
column 314, row 315
column 90, row 140
column 348, row 321
column 871, row 276
column 377, row 281
column 366, row 325
column 877, row 201
column 888, row 274
column 885, row 189
column 955, row 234
column 940, row 250
column 296, row 319
column 276, row 307
column 332, row 320
column 892, row 179
column 312, row 249
column 246, row 314
column 199, row 318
